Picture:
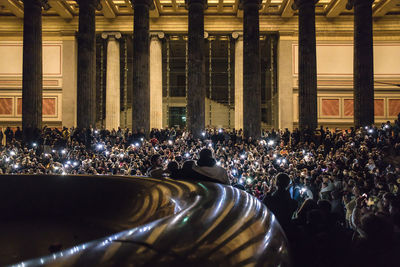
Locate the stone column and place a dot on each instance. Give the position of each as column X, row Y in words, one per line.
column 86, row 91
column 285, row 82
column 196, row 69
column 141, row 71
column 156, row 106
column 251, row 69
column 32, row 70
column 363, row 63
column 113, row 80
column 238, row 80
column 307, row 65
column 69, row 85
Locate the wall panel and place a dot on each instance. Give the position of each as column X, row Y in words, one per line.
column 11, row 55
column 394, row 107
column 379, row 107
column 6, row 106
column 334, row 107
column 337, row 59
column 348, row 107
column 330, row 107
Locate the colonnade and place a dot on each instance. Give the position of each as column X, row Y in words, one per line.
column 363, row 63
column 147, row 68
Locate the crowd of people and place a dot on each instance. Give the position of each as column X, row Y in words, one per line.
column 335, row 192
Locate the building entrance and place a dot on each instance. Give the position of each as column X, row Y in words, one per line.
column 177, row 117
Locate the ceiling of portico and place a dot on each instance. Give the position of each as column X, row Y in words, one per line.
column 113, row 8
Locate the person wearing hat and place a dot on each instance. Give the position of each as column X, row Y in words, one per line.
column 208, row 170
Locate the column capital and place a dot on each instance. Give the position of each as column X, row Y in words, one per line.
column 299, row 3
column 243, row 3
column 114, row 35
column 237, row 35
column 351, row 3
column 196, row 2
column 158, row 35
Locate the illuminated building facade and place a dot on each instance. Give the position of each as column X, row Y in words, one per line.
column 100, row 86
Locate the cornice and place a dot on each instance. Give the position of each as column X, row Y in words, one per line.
column 342, row 26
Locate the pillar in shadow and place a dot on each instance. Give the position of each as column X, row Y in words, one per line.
column 141, row 66
column 363, row 62
column 86, row 94
column 32, row 70
column 196, row 69
column 251, row 69
column 308, row 113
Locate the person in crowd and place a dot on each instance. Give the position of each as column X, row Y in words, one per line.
column 329, row 169
column 9, row 135
column 187, row 168
column 337, row 208
column 1, row 136
column 376, row 244
column 173, row 170
column 301, row 214
column 156, row 170
column 18, row 134
column 280, row 202
column 208, row 170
